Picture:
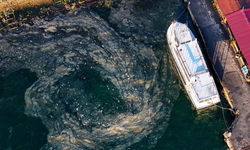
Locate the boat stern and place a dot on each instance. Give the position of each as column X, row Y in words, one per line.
column 207, row 102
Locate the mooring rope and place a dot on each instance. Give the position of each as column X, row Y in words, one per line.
column 224, row 108
column 181, row 14
column 235, row 120
column 224, row 118
column 186, row 7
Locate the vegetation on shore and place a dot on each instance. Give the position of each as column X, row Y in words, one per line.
column 48, row 11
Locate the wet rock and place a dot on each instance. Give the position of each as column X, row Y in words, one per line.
column 50, row 29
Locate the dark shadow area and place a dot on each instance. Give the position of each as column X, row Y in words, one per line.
column 19, row 131
column 213, row 41
column 244, row 3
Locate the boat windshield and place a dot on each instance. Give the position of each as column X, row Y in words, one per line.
column 183, row 34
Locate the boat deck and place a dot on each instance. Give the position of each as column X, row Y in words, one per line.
column 204, row 86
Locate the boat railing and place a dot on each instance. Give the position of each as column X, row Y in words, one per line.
column 195, row 94
column 189, row 70
column 201, row 56
column 187, row 61
column 183, row 67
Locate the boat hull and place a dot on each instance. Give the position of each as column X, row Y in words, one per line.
column 191, row 79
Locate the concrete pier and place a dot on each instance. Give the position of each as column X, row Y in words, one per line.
column 222, row 57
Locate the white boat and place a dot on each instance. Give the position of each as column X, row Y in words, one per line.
column 191, row 66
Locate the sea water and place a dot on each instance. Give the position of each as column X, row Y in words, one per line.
column 96, row 94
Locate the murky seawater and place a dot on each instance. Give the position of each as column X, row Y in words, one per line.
column 101, row 84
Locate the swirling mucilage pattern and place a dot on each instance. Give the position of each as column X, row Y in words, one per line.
column 96, row 89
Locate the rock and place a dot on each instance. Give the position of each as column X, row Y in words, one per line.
column 50, row 29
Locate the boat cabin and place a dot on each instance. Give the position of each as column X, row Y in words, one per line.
column 189, row 51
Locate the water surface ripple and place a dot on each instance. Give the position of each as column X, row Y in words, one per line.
column 96, row 89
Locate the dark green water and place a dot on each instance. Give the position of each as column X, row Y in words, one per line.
column 17, row 130
column 188, row 129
